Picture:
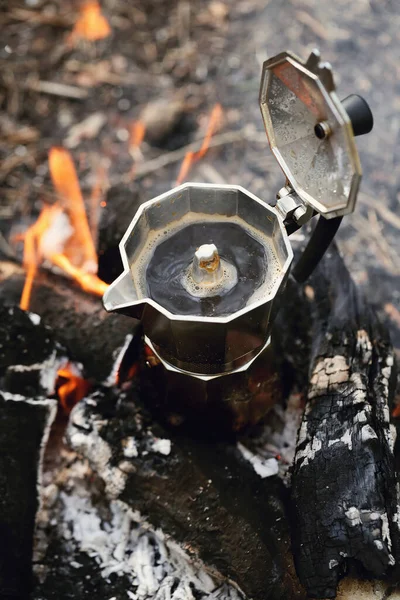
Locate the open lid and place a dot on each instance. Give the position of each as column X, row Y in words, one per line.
column 310, row 132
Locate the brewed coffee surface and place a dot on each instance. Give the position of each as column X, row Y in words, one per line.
column 173, row 257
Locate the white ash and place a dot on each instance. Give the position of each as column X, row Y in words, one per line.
column 47, row 370
column 277, row 438
column 162, row 446
column 367, row 433
column 364, row 346
column 118, row 356
column 328, row 374
column 123, row 543
column 333, row 563
column 396, row 516
column 344, row 439
column 264, row 467
column 357, row 517
column 353, row 516
column 35, row 318
column 130, row 447
column 309, row 452
column 95, row 449
column 84, row 437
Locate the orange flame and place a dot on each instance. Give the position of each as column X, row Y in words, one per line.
column 137, row 129
column 71, row 389
column 65, row 181
column 192, row 157
column 91, row 24
column 74, row 253
column 32, row 252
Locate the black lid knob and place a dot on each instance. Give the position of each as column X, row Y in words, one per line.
column 359, row 113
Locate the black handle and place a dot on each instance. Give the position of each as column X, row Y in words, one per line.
column 318, row 244
column 359, row 113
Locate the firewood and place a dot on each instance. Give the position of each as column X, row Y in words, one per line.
column 344, row 484
column 78, row 320
column 29, row 358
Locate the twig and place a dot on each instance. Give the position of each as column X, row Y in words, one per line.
column 386, row 214
column 210, row 174
column 13, row 161
column 41, row 18
column 5, row 248
column 316, row 27
column 56, row 89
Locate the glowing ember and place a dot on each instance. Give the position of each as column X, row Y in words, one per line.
column 61, row 234
column 192, row 157
column 396, row 410
column 71, row 388
column 91, row 24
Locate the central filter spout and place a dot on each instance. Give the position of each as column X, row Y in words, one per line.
column 208, row 274
column 206, row 266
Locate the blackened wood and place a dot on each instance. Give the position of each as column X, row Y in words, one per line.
column 121, row 206
column 343, row 484
column 29, row 354
column 201, row 493
column 24, row 426
column 78, row 320
column 29, row 359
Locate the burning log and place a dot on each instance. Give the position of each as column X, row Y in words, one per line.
column 78, row 320
column 344, row 484
column 29, row 359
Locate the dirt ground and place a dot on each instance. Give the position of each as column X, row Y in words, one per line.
column 182, row 57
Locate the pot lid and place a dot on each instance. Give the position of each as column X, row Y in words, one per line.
column 310, row 132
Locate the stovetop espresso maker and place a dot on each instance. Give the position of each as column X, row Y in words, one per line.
column 205, row 265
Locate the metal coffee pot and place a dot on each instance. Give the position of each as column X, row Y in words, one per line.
column 205, row 265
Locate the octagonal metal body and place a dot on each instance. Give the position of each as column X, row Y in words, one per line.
column 199, row 344
column 295, row 97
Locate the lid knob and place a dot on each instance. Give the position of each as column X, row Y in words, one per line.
column 359, row 114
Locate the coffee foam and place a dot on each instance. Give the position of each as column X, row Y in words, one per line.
column 155, row 237
column 208, row 290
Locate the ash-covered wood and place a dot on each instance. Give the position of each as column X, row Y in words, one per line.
column 201, row 493
column 78, row 320
column 29, row 359
column 343, row 484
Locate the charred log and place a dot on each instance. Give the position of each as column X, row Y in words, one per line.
column 29, row 359
column 78, row 320
column 343, row 484
column 121, row 206
column 24, row 429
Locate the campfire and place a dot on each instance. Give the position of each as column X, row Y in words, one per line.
column 228, row 453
